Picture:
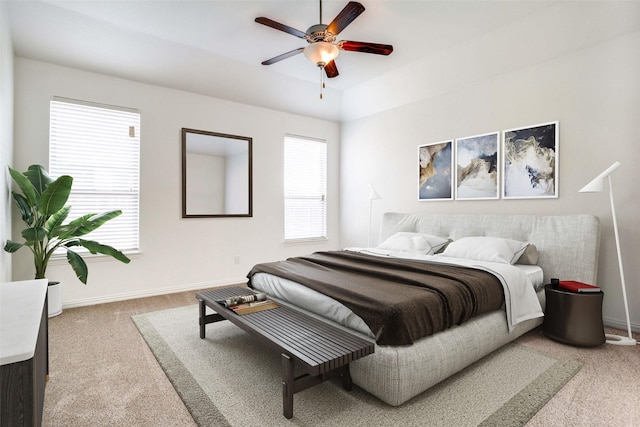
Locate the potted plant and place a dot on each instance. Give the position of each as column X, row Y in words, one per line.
column 43, row 208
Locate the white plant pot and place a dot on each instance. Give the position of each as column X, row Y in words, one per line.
column 54, row 296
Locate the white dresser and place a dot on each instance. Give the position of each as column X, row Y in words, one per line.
column 23, row 352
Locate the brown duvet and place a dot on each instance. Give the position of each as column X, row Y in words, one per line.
column 400, row 300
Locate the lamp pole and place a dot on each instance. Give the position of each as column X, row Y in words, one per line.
column 615, row 339
column 369, row 233
column 372, row 195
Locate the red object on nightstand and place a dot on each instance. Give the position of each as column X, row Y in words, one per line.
column 572, row 285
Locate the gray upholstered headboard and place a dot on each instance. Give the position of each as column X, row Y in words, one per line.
column 567, row 244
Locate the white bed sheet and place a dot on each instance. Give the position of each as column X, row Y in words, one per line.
column 520, row 283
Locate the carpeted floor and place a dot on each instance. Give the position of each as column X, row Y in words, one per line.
column 102, row 373
column 230, row 370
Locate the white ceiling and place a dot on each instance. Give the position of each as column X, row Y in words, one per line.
column 214, row 47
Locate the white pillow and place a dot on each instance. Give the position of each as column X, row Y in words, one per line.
column 494, row 249
column 529, row 256
column 414, row 242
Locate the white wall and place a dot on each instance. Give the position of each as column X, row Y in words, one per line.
column 595, row 95
column 176, row 253
column 6, row 139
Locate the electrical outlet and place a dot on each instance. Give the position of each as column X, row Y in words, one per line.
column 236, row 259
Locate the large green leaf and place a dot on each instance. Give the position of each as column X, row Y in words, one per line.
column 54, row 223
column 38, row 177
column 26, row 187
column 12, row 246
column 24, row 208
column 78, row 265
column 69, row 230
column 99, row 248
column 87, row 223
column 34, row 234
column 55, row 196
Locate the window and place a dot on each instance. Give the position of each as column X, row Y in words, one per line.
column 99, row 146
column 305, row 187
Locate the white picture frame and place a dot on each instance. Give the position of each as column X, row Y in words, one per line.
column 435, row 179
column 477, row 167
column 530, row 161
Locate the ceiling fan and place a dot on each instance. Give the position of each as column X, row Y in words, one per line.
column 323, row 48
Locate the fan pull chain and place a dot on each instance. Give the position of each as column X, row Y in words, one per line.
column 321, row 81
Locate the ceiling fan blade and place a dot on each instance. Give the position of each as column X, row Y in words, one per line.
column 350, row 12
column 331, row 69
column 283, row 56
column 376, row 48
column 278, row 26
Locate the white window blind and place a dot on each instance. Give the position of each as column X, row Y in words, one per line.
column 99, row 146
column 305, row 187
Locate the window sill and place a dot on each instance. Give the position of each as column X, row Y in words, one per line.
column 305, row 240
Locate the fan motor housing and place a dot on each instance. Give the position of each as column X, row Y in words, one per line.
column 318, row 33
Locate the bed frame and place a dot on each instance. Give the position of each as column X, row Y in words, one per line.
column 568, row 249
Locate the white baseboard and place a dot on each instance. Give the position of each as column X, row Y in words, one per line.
column 151, row 292
column 620, row 324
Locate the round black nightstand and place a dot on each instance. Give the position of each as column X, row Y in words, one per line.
column 573, row 318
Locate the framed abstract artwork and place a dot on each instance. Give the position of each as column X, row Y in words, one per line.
column 477, row 167
column 436, row 171
column 531, row 162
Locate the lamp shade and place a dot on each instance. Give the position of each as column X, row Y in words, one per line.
column 597, row 183
column 373, row 194
column 321, row 53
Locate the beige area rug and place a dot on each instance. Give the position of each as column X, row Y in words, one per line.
column 228, row 379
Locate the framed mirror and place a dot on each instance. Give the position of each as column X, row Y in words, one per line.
column 216, row 175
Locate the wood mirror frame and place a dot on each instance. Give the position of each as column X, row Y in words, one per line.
column 216, row 175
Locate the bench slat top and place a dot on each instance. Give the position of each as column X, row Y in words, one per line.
column 317, row 343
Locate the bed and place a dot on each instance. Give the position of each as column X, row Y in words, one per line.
column 564, row 246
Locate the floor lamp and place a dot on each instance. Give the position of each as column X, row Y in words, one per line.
column 596, row 185
column 373, row 195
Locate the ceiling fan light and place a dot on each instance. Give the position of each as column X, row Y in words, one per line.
column 321, row 53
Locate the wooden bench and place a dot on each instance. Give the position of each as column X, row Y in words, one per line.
column 315, row 346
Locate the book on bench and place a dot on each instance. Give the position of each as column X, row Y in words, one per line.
column 252, row 307
column 572, row 285
column 245, row 304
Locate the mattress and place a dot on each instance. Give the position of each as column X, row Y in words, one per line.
column 315, row 302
